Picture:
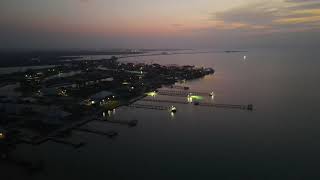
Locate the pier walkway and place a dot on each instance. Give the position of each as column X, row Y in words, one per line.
column 146, row 106
column 182, row 93
column 228, row 106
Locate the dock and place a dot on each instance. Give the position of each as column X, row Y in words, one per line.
column 145, row 106
column 178, row 87
column 181, row 93
column 130, row 123
column 51, row 136
column 102, row 133
column 65, row 142
column 226, row 106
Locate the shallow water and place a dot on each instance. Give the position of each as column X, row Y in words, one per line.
column 278, row 140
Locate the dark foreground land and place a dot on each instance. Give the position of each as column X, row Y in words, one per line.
column 52, row 101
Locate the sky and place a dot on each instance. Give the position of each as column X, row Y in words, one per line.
column 99, row 24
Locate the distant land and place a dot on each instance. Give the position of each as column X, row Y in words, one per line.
column 18, row 58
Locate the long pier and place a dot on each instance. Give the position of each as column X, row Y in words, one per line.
column 145, row 106
column 228, row 106
column 130, row 123
column 181, row 93
column 178, row 87
column 51, row 136
column 93, row 131
column 65, row 142
column 164, row 101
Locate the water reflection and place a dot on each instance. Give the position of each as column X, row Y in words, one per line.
column 172, row 115
column 212, row 95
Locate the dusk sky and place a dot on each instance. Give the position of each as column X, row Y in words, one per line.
column 158, row 24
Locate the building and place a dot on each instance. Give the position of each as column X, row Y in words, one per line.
column 101, row 97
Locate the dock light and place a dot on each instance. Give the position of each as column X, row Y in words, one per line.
column 152, row 94
column 2, row 136
column 196, row 97
column 104, row 114
column 93, row 102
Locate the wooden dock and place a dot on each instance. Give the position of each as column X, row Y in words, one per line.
column 130, row 123
column 146, row 106
column 182, row 93
column 65, row 142
column 164, row 101
column 56, row 133
column 93, row 131
column 226, row 106
column 178, row 87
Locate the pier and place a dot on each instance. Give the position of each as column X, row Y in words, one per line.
column 164, row 101
column 145, row 106
column 130, row 123
column 93, row 131
column 226, row 106
column 181, row 93
column 178, row 87
column 65, row 142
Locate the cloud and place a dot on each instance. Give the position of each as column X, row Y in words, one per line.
column 271, row 16
column 257, row 13
column 301, row 1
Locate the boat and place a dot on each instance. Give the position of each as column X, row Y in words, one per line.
column 173, row 109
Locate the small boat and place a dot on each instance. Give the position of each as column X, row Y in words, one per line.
column 196, row 103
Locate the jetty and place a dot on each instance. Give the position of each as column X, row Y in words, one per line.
column 181, row 93
column 146, row 106
column 227, row 106
column 93, row 131
column 130, row 123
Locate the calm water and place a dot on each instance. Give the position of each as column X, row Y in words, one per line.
column 279, row 140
